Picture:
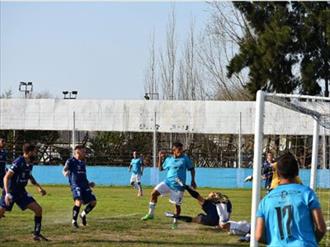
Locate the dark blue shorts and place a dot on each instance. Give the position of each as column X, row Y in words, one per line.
column 84, row 194
column 22, row 199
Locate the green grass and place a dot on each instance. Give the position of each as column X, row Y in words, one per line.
column 116, row 221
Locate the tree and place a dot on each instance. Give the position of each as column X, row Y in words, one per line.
column 7, row 94
column 217, row 46
column 286, row 47
column 151, row 82
column 168, row 59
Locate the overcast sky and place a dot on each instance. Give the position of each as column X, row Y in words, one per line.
column 99, row 49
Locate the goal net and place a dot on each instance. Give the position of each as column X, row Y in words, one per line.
column 311, row 115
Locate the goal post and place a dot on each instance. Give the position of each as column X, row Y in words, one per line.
column 304, row 104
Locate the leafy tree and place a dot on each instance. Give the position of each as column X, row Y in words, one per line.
column 286, row 46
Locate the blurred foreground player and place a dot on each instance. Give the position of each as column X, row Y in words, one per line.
column 14, row 191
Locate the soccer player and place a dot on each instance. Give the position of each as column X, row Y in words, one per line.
column 176, row 166
column 3, row 160
column 218, row 209
column 14, row 191
column 75, row 169
column 136, row 167
column 267, row 170
column 290, row 214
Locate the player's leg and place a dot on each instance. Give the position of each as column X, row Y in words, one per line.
column 132, row 181
column 75, row 211
column 139, row 186
column 2, row 212
column 194, row 194
column 89, row 199
column 160, row 189
column 3, row 206
column 37, row 209
column 76, row 193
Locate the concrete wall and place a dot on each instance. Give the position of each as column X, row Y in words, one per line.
column 218, row 117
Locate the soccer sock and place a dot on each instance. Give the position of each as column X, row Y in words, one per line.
column 239, row 227
column 192, row 192
column 152, row 207
column 37, row 225
column 184, row 218
column 139, row 187
column 75, row 212
column 87, row 209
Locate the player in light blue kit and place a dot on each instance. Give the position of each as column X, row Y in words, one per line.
column 290, row 215
column 136, row 167
column 176, row 166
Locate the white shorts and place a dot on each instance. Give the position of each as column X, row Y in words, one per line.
column 223, row 213
column 175, row 196
column 136, row 178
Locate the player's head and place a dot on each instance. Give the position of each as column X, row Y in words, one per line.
column 177, row 149
column 2, row 142
column 217, row 197
column 135, row 154
column 270, row 156
column 80, row 152
column 287, row 166
column 30, row 151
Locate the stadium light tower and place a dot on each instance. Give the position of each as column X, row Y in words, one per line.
column 70, row 94
column 26, row 87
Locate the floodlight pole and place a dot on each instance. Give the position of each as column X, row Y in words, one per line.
column 324, row 149
column 315, row 153
column 73, row 131
column 155, row 142
column 240, row 141
column 257, row 159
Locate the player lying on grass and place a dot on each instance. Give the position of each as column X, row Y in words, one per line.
column 176, row 166
column 136, row 167
column 290, row 215
column 15, row 181
column 217, row 208
column 75, row 169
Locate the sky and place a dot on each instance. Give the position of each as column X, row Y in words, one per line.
column 99, row 49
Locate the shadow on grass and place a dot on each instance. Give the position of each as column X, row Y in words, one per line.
column 153, row 243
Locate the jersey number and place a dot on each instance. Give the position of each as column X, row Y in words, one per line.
column 281, row 213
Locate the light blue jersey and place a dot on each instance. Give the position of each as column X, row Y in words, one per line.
column 287, row 214
column 136, row 166
column 176, row 168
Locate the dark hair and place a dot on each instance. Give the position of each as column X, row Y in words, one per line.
column 28, row 147
column 177, row 144
column 79, row 147
column 287, row 166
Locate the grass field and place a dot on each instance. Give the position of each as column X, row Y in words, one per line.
column 116, row 221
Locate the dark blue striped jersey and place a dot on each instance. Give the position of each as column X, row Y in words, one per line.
column 22, row 173
column 77, row 175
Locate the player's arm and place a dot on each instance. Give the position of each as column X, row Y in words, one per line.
column 193, row 181
column 130, row 167
column 320, row 226
column 66, row 169
column 142, row 165
column 260, row 233
column 6, row 182
column 161, row 158
column 39, row 188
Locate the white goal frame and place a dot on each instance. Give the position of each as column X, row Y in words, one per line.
column 258, row 147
